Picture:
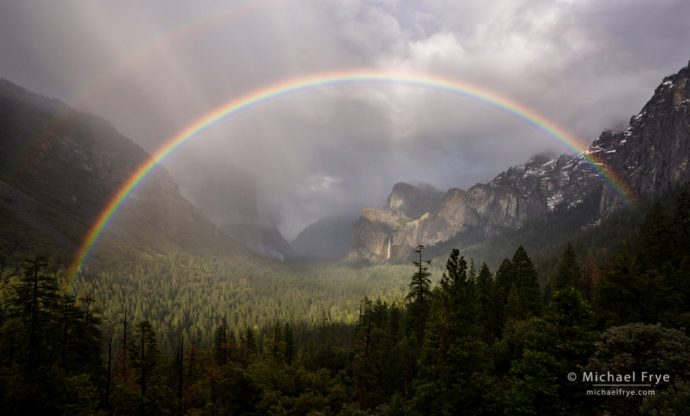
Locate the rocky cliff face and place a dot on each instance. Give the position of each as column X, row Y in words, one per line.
column 538, row 187
column 650, row 156
column 413, row 201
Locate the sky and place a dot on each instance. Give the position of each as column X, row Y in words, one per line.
column 152, row 67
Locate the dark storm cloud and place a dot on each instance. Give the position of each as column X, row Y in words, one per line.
column 587, row 65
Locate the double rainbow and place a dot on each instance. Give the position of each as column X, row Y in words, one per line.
column 343, row 78
column 105, row 81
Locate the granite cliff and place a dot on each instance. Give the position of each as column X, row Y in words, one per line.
column 650, row 157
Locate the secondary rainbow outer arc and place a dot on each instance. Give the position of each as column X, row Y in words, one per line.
column 179, row 32
column 275, row 91
column 105, row 80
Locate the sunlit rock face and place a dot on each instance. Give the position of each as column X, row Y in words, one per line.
column 516, row 195
column 649, row 158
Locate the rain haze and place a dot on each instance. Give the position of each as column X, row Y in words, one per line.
column 151, row 68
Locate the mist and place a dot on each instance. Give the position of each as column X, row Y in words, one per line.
column 152, row 68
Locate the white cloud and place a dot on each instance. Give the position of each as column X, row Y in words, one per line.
column 585, row 64
column 320, row 183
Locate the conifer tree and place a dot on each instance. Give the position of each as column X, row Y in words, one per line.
column 459, row 295
column 681, row 246
column 144, row 353
column 472, row 272
column 248, row 344
column 180, row 375
column 556, row 344
column 419, row 296
column 505, row 278
column 526, row 282
column 515, row 309
column 277, row 346
column 681, row 225
column 618, row 295
column 35, row 305
column 655, row 241
column 487, row 301
column 453, row 368
column 568, row 270
column 589, row 276
column 220, row 343
column 48, row 349
column 289, row 347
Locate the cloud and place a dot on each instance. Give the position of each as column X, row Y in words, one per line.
column 320, row 183
column 587, row 65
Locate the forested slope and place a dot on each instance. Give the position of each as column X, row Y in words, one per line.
column 477, row 342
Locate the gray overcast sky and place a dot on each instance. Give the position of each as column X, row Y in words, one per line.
column 157, row 65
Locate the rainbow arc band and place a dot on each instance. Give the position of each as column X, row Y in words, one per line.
column 106, row 81
column 287, row 88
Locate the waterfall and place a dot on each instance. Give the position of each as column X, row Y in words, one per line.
column 388, row 251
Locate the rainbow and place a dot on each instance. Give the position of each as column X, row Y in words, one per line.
column 276, row 91
column 106, row 80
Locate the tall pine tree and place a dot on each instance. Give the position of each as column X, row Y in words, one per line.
column 568, row 270
column 526, row 284
column 419, row 296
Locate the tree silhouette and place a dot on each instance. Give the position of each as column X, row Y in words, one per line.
column 419, row 296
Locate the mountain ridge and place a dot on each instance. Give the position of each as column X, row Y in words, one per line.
column 656, row 163
column 326, row 238
column 60, row 167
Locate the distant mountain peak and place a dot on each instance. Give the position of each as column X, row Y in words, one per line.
column 9, row 89
column 652, row 155
column 75, row 166
column 412, row 201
